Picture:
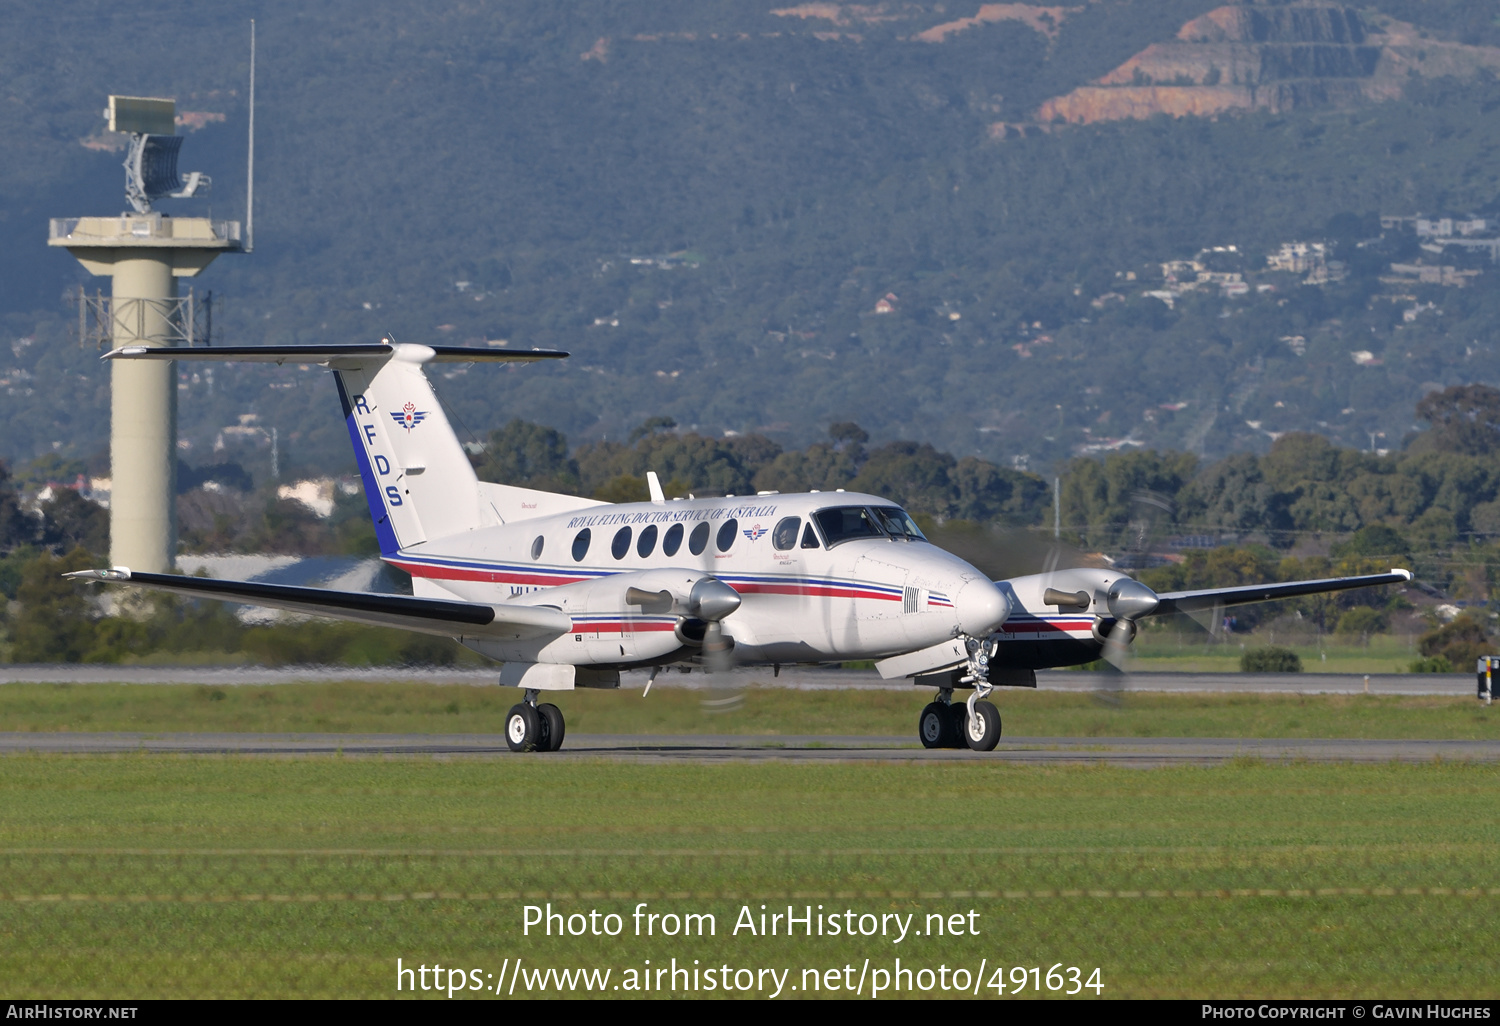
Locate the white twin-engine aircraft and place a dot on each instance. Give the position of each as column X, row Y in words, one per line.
column 567, row 592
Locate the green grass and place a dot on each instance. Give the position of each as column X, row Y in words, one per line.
column 149, row 876
column 1191, row 652
column 424, row 708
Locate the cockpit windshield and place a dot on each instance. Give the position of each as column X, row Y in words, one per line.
column 845, row 523
column 898, row 524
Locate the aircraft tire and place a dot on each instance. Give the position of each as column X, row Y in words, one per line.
column 934, row 727
column 523, row 728
column 552, row 718
column 983, row 731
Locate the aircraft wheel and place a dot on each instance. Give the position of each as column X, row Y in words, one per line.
column 933, row 726
column 523, row 728
column 552, row 717
column 982, row 730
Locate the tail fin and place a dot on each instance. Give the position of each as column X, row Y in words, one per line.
column 417, row 478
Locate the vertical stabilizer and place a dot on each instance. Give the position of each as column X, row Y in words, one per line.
column 417, row 478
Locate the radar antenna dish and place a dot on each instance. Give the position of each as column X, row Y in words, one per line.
column 151, row 160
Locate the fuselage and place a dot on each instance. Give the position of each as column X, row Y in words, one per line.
column 822, row 576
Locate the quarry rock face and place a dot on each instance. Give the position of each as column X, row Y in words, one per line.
column 1246, row 24
column 1255, row 56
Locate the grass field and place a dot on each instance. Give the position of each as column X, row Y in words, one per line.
column 148, row 876
column 1194, row 653
column 425, row 708
column 166, row 876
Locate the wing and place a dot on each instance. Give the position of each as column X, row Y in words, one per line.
column 1194, row 601
column 427, row 616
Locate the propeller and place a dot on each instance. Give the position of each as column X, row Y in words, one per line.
column 708, row 603
column 1127, row 600
column 711, row 600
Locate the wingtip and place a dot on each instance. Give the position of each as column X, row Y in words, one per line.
column 115, row 573
column 1403, row 574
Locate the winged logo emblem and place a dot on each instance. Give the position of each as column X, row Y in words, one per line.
column 409, row 416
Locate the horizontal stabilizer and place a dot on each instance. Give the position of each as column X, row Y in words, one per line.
column 428, row 616
column 1209, row 598
column 328, row 353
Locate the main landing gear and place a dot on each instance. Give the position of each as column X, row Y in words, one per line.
column 534, row 728
column 949, row 724
column 974, row 724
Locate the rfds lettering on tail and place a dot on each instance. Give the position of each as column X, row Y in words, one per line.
column 565, row 592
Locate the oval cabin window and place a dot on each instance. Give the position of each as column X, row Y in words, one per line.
column 621, row 544
column 647, row 543
column 672, row 540
column 698, row 540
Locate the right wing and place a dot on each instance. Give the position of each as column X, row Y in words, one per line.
column 1209, row 598
column 426, row 616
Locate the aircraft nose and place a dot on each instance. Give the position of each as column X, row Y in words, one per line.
column 981, row 608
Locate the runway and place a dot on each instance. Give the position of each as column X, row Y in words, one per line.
column 1142, row 752
column 797, row 678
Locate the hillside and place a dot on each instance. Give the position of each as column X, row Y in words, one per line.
column 758, row 217
column 1278, row 58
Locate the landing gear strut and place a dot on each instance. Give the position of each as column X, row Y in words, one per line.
column 534, row 728
column 973, row 724
column 981, row 727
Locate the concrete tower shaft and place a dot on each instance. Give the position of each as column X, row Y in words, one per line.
column 144, row 255
column 143, row 417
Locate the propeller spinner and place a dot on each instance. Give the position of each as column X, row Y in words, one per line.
column 1127, row 600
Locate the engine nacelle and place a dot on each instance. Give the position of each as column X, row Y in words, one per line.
column 629, row 617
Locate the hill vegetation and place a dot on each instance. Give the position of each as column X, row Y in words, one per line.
column 706, row 204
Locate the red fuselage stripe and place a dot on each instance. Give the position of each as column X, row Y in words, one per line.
column 454, row 573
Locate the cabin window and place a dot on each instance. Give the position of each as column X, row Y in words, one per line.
column 621, row 544
column 809, row 537
column 726, row 534
column 536, row 547
column 698, row 540
column 898, row 524
column 846, row 523
column 785, row 535
column 647, row 543
column 672, row 540
column 581, row 545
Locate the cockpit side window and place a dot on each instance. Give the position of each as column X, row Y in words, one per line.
column 785, row 535
column 899, row 524
column 810, row 537
column 846, row 523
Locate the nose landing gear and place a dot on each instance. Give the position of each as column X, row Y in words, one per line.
column 534, row 728
column 974, row 724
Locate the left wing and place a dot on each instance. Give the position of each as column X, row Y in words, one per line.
column 427, row 616
column 1209, row 598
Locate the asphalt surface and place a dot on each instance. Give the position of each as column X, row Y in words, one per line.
column 793, row 678
column 1143, row 752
